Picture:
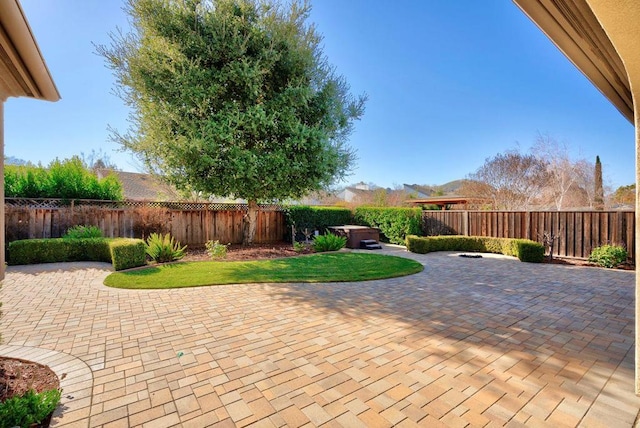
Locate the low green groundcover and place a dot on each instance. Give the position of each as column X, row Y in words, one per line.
column 326, row 267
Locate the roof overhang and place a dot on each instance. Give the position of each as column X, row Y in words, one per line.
column 23, row 72
column 575, row 30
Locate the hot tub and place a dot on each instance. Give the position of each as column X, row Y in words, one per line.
column 355, row 234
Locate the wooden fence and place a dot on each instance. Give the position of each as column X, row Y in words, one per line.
column 189, row 226
column 194, row 224
column 578, row 232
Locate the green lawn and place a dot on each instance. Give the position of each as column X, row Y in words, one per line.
column 325, row 267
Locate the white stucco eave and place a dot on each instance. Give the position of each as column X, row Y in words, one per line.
column 23, row 71
column 572, row 26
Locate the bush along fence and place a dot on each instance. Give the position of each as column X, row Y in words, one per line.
column 190, row 223
column 123, row 253
column 524, row 249
column 394, row 223
column 306, row 220
column 572, row 233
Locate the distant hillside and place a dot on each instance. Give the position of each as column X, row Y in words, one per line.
column 451, row 187
column 12, row 160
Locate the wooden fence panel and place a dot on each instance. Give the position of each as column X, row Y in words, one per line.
column 190, row 227
column 578, row 240
column 576, row 232
column 445, row 223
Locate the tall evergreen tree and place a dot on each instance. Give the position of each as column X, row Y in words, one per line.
column 233, row 97
column 599, row 190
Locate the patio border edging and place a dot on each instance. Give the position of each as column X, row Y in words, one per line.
column 76, row 381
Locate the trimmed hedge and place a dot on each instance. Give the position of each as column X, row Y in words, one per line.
column 33, row 251
column 525, row 250
column 315, row 218
column 128, row 253
column 394, row 223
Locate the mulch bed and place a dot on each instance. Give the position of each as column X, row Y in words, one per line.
column 580, row 262
column 19, row 376
column 237, row 252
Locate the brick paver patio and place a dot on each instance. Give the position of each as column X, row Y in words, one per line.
column 467, row 342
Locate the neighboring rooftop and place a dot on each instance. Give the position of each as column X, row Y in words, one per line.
column 142, row 187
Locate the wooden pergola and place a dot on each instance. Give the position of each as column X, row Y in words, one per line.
column 444, row 201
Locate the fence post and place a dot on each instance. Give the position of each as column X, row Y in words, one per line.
column 465, row 223
column 527, row 225
column 206, row 221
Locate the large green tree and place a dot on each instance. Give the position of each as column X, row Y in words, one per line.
column 233, row 98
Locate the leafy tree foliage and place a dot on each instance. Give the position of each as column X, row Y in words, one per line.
column 233, row 97
column 66, row 179
column 625, row 195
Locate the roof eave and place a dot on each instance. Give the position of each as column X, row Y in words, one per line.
column 575, row 30
column 24, row 71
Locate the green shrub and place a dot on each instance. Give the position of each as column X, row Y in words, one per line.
column 524, row 249
column 314, row 218
column 128, row 253
column 33, row 251
column 66, row 179
column 328, row 242
column 79, row 232
column 299, row 247
column 608, row 256
column 30, row 251
column 529, row 251
column 89, row 249
column 163, row 248
column 216, row 250
column 394, row 223
column 431, row 244
column 31, row 408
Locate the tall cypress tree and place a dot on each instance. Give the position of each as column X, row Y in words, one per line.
column 599, row 190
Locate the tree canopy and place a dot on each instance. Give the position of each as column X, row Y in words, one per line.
column 511, row 180
column 625, row 195
column 546, row 178
column 233, row 98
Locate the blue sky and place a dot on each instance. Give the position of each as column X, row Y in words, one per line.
column 450, row 83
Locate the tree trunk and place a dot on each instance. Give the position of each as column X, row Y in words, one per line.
column 250, row 222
